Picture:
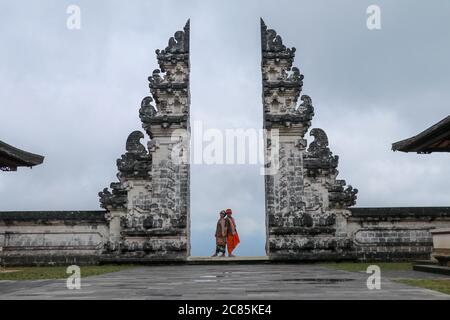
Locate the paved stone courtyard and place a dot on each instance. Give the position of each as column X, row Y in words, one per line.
column 259, row 281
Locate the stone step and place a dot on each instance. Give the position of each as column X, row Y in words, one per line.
column 432, row 269
column 228, row 260
column 425, row 262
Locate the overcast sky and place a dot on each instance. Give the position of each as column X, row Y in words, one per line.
column 74, row 95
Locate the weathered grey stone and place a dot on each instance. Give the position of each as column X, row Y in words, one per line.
column 230, row 282
column 147, row 220
column 304, row 201
column 149, row 207
column 390, row 234
column 52, row 237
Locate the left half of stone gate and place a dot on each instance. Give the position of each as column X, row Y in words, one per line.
column 148, row 207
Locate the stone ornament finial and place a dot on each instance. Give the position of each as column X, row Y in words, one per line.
column 272, row 43
column 115, row 200
column 169, row 86
column 136, row 162
column 177, row 45
column 319, row 159
column 134, row 144
column 320, row 144
column 341, row 198
column 282, row 84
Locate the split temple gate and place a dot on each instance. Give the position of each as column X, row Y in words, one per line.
column 309, row 214
column 306, row 206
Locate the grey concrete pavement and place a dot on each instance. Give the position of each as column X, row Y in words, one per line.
column 261, row 281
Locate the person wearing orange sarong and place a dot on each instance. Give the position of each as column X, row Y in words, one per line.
column 232, row 234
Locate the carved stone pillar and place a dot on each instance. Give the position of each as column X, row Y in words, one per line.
column 154, row 182
column 303, row 197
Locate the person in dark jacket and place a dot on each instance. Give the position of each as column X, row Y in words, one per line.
column 221, row 235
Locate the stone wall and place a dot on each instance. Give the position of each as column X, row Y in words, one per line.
column 52, row 237
column 81, row 237
column 390, row 234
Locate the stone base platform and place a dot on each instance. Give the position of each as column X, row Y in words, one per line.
column 117, row 259
column 432, row 268
column 206, row 260
column 425, row 262
column 193, row 260
column 228, row 260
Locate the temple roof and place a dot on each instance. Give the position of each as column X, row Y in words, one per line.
column 11, row 158
column 434, row 139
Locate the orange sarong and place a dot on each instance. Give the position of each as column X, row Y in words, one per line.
column 232, row 242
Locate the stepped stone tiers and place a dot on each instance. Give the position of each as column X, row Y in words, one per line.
column 148, row 208
column 306, row 206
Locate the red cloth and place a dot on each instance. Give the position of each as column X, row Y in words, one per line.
column 233, row 237
column 232, row 242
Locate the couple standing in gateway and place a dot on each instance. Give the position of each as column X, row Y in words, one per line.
column 226, row 234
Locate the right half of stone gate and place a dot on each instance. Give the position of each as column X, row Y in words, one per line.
column 306, row 206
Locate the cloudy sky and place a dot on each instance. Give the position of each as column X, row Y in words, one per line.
column 74, row 95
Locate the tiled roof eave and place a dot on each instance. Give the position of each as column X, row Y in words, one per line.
column 18, row 156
